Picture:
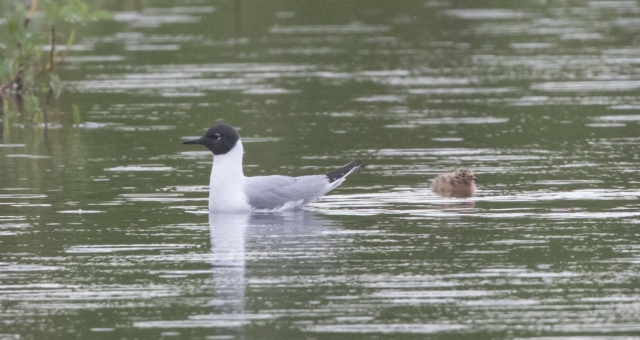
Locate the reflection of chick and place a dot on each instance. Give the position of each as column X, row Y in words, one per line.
column 460, row 183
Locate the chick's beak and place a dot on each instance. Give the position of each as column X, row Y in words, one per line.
column 475, row 178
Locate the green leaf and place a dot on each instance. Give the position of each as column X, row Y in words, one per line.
column 101, row 15
column 75, row 11
column 31, row 103
column 20, row 8
column 76, row 114
column 14, row 23
column 52, row 12
column 7, row 65
column 55, row 85
column 13, row 26
column 6, row 70
column 72, row 36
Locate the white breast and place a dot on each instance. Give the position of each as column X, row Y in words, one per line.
column 227, row 182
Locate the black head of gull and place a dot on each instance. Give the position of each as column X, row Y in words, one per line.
column 220, row 139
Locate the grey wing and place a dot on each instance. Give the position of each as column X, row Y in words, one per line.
column 272, row 192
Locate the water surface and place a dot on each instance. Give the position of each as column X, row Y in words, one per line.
column 104, row 231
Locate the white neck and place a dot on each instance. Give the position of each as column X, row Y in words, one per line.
column 229, row 165
column 227, row 181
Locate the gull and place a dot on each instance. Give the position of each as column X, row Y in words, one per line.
column 231, row 191
column 460, row 183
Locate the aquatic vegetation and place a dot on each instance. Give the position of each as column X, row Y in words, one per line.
column 29, row 53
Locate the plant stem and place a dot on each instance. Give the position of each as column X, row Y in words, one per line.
column 1, row 119
column 32, row 10
column 52, row 55
column 53, row 49
column 10, row 83
column 18, row 81
column 44, row 109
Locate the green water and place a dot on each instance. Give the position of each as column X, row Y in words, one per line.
column 104, row 230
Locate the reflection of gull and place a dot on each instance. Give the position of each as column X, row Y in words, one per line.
column 228, row 256
column 234, row 237
column 263, row 238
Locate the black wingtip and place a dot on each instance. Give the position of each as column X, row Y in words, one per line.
column 345, row 170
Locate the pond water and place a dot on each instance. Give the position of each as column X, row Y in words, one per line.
column 104, row 228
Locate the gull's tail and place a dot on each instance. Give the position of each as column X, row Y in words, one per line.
column 336, row 177
column 340, row 174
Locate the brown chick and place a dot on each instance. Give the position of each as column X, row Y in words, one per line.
column 460, row 183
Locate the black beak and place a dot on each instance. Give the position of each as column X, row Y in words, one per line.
column 194, row 141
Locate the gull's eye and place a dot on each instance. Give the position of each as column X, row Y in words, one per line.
column 216, row 136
